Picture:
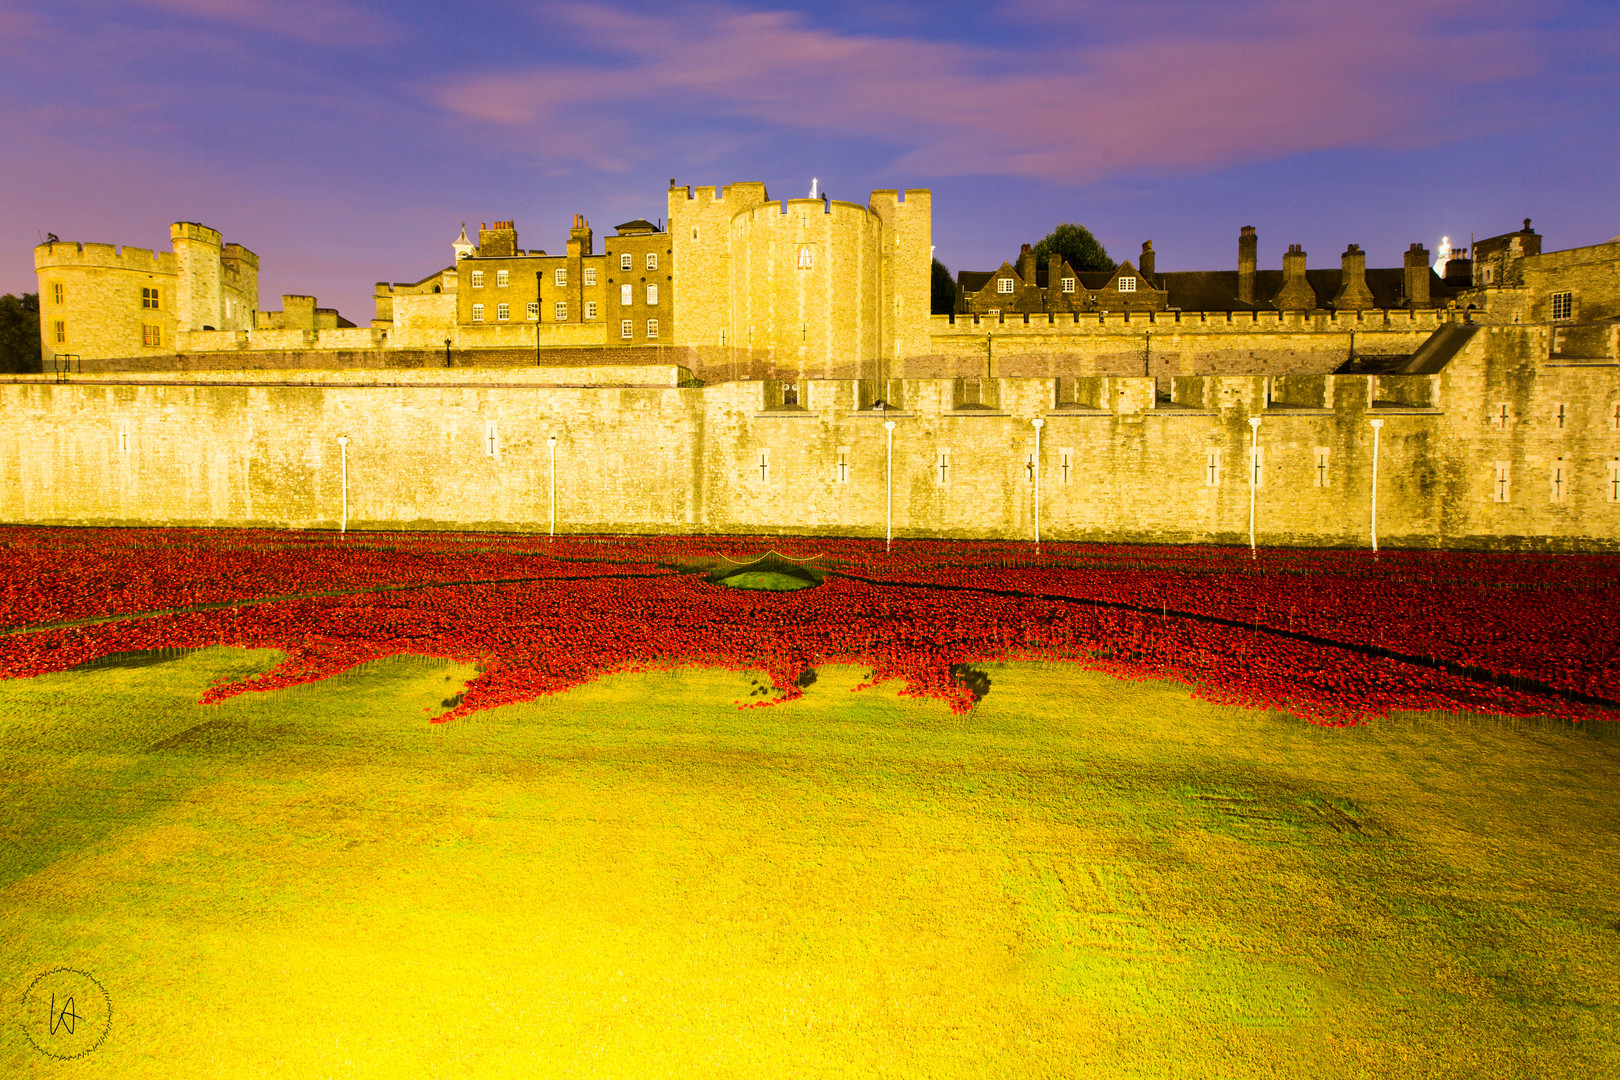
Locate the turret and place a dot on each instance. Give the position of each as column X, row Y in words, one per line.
column 463, row 247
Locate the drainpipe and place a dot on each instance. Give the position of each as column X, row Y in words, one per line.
column 551, row 502
column 343, row 448
column 1377, row 425
column 1038, row 422
column 888, row 480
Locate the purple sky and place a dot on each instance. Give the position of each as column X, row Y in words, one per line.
column 346, row 142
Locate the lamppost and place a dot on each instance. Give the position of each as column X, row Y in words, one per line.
column 1038, row 422
column 343, row 449
column 888, row 483
column 551, row 502
column 1377, row 426
column 1254, row 477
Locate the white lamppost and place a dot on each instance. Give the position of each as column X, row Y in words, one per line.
column 343, row 448
column 1377, row 425
column 1038, row 422
column 888, row 482
column 551, row 502
column 1254, row 476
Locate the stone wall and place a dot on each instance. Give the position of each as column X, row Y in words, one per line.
column 469, row 450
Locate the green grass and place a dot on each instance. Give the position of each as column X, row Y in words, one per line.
column 767, row 580
column 1081, row 877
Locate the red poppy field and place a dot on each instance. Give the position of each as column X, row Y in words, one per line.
column 1335, row 637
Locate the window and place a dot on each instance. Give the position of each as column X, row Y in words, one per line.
column 652, row 328
column 624, row 295
column 1499, row 486
column 1319, row 472
column 804, row 257
column 151, row 335
column 500, row 279
column 1614, row 412
column 1029, row 468
column 1004, row 285
column 652, row 296
column 942, row 467
column 149, row 298
column 478, row 313
column 841, row 474
column 994, row 313
column 590, row 275
column 625, row 262
column 1127, row 284
column 972, row 392
column 1254, row 465
column 1559, row 415
column 1065, row 463
column 1068, row 284
column 590, row 309
column 492, row 445
column 1563, row 305
column 790, row 395
column 1558, row 482
column 652, row 260
column 560, row 275
column 764, row 466
column 478, row 279
column 503, row 312
column 626, row 328
column 534, row 311
column 61, row 331
column 1611, row 490
column 559, row 311
column 56, row 292
column 123, row 436
column 1212, row 469
column 228, row 307
column 1501, row 417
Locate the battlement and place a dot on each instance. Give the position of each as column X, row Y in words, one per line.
column 191, row 230
column 108, row 256
column 1242, row 321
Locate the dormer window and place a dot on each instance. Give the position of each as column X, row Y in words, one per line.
column 1004, row 285
column 1127, row 284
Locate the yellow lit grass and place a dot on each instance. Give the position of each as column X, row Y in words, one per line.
column 1082, row 877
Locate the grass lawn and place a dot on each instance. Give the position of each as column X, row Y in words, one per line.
column 1080, row 878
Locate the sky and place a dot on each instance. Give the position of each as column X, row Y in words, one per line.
column 345, row 143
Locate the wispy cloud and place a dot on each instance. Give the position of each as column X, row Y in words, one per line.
column 314, row 22
column 1269, row 79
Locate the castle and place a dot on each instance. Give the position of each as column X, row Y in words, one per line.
column 750, row 365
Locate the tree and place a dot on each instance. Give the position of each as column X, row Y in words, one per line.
column 1076, row 244
column 20, row 350
column 944, row 290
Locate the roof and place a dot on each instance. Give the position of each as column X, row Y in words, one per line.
column 1216, row 290
column 640, row 225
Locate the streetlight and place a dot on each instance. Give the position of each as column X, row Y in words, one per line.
column 1038, row 422
column 1254, row 476
column 1377, row 426
column 343, row 449
column 888, row 482
column 551, row 502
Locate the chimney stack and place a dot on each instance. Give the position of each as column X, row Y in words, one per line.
column 1353, row 294
column 1296, row 293
column 1026, row 265
column 1417, row 276
column 1145, row 263
column 498, row 239
column 1248, row 261
column 579, row 237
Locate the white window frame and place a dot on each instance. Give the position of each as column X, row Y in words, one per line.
column 805, row 257
column 1127, row 284
column 478, row 313
column 627, row 261
column 1004, row 285
column 652, row 260
column 559, row 276
column 559, row 311
column 503, row 312
column 500, row 279
column 534, row 311
column 590, row 275
column 590, row 310
column 477, row 277
column 625, row 297
column 1068, row 284
column 627, row 328
column 652, row 295
column 652, row 328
